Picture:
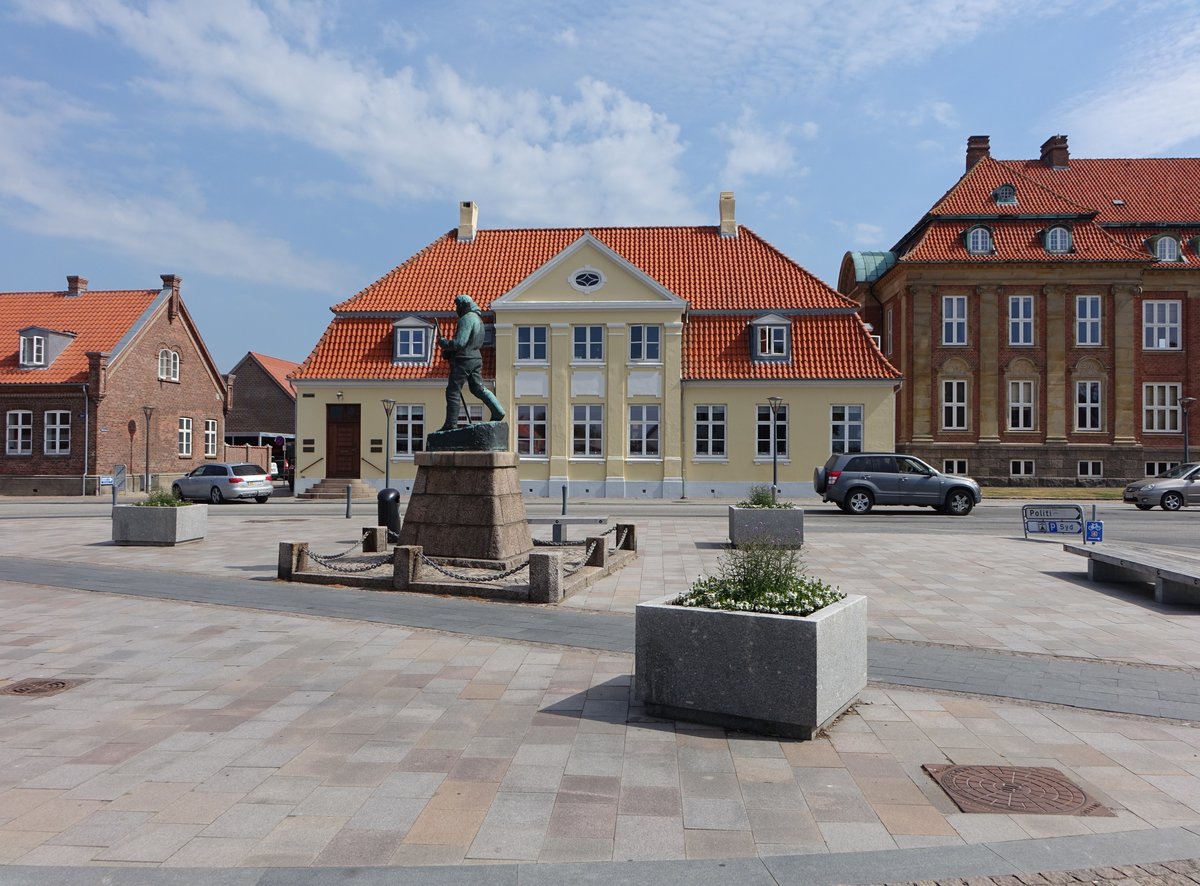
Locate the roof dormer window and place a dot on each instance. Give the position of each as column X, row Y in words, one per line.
column 1166, row 248
column 771, row 338
column 33, row 350
column 1005, row 195
column 411, row 341
column 979, row 241
column 1058, row 239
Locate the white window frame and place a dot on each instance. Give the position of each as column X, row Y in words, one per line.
column 1160, row 407
column 471, row 415
column 846, row 418
column 18, row 425
column 1154, row 468
column 771, row 342
column 168, row 365
column 1090, row 469
column 210, row 438
column 954, row 320
column 1161, row 324
column 411, row 344
column 1058, row 240
column 1020, row 320
column 1022, row 467
column 587, row 344
column 532, row 344
column 1022, row 405
column 980, row 241
column 766, row 443
column 529, row 420
column 712, row 419
column 33, row 350
column 408, row 430
column 1089, row 405
column 1089, row 311
column 183, row 439
column 1163, row 253
column 955, row 466
column 644, row 427
column 56, row 432
column 645, row 343
column 587, row 430
column 954, row 405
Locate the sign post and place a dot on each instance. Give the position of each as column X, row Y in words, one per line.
column 1052, row 519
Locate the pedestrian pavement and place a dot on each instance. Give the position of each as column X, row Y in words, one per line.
column 235, row 729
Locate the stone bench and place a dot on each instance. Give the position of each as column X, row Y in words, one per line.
column 1176, row 580
column 560, row 523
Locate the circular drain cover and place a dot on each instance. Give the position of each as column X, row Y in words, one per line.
column 1030, row 790
column 32, row 688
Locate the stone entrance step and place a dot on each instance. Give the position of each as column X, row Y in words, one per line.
column 335, row 490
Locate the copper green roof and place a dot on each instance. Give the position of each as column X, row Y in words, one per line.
column 870, row 266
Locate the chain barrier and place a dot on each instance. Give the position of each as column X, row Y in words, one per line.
column 555, row 544
column 474, row 579
column 608, row 531
column 587, row 556
column 621, row 539
column 367, row 566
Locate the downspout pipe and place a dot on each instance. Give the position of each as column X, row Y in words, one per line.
column 87, row 438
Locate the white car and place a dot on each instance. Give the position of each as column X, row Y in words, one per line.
column 218, row 481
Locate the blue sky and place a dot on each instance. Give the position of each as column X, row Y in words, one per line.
column 282, row 154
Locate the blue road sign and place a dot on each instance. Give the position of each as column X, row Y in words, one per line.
column 1094, row 531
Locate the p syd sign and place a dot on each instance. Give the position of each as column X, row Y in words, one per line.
column 1052, row 519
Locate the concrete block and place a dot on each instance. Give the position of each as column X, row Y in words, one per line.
column 774, row 674
column 293, row 558
column 626, row 537
column 158, row 527
column 374, row 539
column 545, row 577
column 595, row 544
column 405, row 561
column 774, row 526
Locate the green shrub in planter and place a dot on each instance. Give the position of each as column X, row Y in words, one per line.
column 162, row 499
column 760, row 497
column 759, row 577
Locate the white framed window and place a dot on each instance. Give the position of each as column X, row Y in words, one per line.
column 1058, row 239
column 771, row 342
column 1154, row 468
column 710, row 431
column 888, row 330
column 846, row 427
column 1166, row 248
column 1160, row 325
column 954, row 319
column 168, row 365
column 1021, row 467
column 589, row 343
column 410, row 429
column 587, row 430
column 979, row 241
column 954, row 404
column 33, row 350
column 19, row 432
column 1090, row 469
column 772, row 437
column 645, row 344
column 57, row 427
column 184, row 438
column 1020, row 405
column 210, row 438
column 531, row 344
column 1020, row 320
column 411, row 344
column 1087, row 320
column 586, row 279
column 1089, row 407
column 643, row 430
column 1160, row 407
column 956, row 466
column 531, row 429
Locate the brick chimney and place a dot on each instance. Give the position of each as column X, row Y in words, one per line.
column 171, row 281
column 729, row 226
column 76, row 286
column 1054, row 152
column 978, row 147
column 468, row 218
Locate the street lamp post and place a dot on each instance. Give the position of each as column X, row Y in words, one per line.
column 775, row 403
column 1186, row 404
column 388, row 434
column 147, row 411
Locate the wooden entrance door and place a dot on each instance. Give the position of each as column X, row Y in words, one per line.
column 342, row 440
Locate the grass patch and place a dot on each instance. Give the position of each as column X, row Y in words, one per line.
column 760, row 497
column 761, row 578
column 162, row 499
column 1054, row 493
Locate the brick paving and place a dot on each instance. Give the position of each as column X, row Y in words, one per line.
column 221, row 738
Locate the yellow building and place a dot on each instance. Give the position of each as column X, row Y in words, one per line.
column 632, row 362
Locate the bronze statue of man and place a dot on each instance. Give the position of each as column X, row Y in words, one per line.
column 466, row 363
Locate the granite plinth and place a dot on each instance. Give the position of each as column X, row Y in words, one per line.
column 158, row 527
column 487, row 436
column 781, row 527
column 467, row 506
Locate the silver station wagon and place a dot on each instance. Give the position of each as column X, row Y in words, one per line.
column 218, row 481
column 1170, row 490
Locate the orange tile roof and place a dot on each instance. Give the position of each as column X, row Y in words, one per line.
column 361, row 347
column 1135, row 239
column 1020, row 241
column 974, row 194
column 98, row 318
column 824, row 346
column 1153, row 189
column 279, row 370
column 710, row 271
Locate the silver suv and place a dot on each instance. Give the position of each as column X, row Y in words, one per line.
column 1172, row 490
column 857, row 481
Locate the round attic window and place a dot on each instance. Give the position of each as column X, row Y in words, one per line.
column 586, row 279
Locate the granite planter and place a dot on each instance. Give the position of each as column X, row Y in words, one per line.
column 774, row 674
column 775, row 526
column 136, row 525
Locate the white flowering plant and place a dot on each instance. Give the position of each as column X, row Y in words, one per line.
column 761, row 578
column 760, row 496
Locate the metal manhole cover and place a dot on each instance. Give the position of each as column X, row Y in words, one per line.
column 1030, row 790
column 34, row 688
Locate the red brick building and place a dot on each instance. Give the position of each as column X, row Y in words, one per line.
column 266, row 401
column 83, row 376
column 1045, row 314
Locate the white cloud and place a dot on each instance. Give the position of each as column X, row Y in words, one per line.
column 928, row 111
column 867, row 234
column 594, row 157
column 567, row 37
column 168, row 227
column 755, row 151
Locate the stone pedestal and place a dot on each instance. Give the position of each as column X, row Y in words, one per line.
column 467, row 507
